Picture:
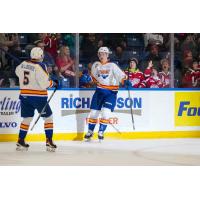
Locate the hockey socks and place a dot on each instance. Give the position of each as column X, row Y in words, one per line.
column 48, row 127
column 91, row 124
column 23, row 131
column 103, row 126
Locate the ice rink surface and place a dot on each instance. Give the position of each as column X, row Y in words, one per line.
column 150, row 152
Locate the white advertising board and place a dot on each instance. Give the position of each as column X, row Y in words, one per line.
column 153, row 111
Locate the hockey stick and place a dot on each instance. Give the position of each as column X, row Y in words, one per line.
column 43, row 109
column 129, row 96
column 116, row 128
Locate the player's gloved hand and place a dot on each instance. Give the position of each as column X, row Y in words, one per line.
column 56, row 84
column 127, row 84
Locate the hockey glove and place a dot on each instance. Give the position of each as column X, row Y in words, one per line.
column 56, row 84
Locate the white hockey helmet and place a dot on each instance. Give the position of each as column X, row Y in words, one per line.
column 104, row 49
column 37, row 53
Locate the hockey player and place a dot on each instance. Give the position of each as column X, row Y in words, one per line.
column 34, row 81
column 135, row 76
column 107, row 76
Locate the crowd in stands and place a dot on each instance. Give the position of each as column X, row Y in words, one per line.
column 145, row 58
column 14, row 48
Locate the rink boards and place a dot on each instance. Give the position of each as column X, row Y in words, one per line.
column 157, row 113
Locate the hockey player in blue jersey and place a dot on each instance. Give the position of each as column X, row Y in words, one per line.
column 34, row 81
column 107, row 76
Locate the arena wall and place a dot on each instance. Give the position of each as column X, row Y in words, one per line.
column 158, row 113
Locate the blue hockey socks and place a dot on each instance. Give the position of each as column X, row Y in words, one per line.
column 48, row 127
column 23, row 130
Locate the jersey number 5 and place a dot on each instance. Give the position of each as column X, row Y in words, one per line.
column 26, row 80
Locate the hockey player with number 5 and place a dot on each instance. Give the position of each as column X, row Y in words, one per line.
column 107, row 76
column 34, row 81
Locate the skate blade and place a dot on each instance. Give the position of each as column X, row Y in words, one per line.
column 20, row 148
column 50, row 149
column 100, row 140
column 88, row 140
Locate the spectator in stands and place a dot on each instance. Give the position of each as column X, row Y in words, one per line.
column 164, row 75
column 89, row 48
column 120, row 56
column 69, row 40
column 151, row 78
column 65, row 64
column 51, row 46
column 8, row 40
column 191, row 78
column 154, row 56
column 85, row 80
column 153, row 39
column 42, row 36
column 7, row 43
column 4, row 79
column 15, row 48
column 196, row 68
column 60, row 40
column 135, row 77
column 187, row 59
column 189, row 45
column 54, row 75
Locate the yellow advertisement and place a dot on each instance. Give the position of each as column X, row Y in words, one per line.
column 187, row 109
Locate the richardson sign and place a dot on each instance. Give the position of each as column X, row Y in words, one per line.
column 78, row 105
column 9, row 106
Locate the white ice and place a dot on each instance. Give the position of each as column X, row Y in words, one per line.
column 108, row 153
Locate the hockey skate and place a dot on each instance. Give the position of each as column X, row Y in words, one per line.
column 21, row 145
column 50, row 146
column 100, row 136
column 88, row 136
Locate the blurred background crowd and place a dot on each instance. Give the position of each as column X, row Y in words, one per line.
column 145, row 57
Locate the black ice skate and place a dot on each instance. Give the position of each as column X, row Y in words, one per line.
column 100, row 136
column 21, row 145
column 50, row 146
column 88, row 136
